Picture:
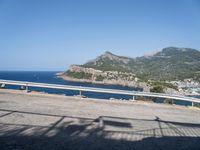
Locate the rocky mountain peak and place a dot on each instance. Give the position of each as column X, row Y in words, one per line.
column 111, row 57
column 108, row 53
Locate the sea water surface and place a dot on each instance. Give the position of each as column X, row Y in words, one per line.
column 51, row 78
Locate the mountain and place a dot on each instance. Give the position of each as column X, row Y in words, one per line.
column 169, row 64
column 110, row 62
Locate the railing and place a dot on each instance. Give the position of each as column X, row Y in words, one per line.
column 100, row 90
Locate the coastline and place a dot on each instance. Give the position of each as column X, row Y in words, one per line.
column 106, row 82
column 143, row 86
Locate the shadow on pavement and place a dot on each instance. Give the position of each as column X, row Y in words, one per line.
column 104, row 132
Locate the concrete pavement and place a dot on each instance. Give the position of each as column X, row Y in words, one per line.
column 42, row 121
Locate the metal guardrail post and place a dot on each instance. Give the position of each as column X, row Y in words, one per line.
column 192, row 104
column 80, row 92
column 133, row 96
column 27, row 87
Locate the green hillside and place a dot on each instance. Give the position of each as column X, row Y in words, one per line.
column 169, row 64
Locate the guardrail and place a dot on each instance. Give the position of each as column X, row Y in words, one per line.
column 100, row 90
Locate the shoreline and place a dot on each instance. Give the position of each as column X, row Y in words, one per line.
column 140, row 86
column 66, row 78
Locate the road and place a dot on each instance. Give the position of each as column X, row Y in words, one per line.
column 35, row 121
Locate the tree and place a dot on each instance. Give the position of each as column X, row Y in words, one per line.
column 157, row 89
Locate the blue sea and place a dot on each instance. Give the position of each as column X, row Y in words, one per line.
column 51, row 78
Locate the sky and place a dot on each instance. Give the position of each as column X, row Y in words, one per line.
column 50, row 35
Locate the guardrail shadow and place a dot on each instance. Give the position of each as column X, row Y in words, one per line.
column 104, row 132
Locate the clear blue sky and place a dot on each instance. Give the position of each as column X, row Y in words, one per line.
column 52, row 34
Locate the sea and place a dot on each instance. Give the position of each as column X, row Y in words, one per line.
column 51, row 78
